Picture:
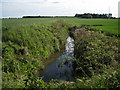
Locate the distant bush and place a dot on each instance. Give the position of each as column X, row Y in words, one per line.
column 90, row 15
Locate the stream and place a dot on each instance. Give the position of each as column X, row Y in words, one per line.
column 61, row 68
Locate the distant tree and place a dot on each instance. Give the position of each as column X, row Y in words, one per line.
column 89, row 15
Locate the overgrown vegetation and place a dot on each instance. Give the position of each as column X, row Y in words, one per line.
column 97, row 58
column 24, row 49
column 96, row 61
column 26, row 45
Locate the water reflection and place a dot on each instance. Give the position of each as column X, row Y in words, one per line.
column 62, row 68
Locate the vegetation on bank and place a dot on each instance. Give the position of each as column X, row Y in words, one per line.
column 96, row 60
column 99, row 55
column 24, row 49
column 96, row 63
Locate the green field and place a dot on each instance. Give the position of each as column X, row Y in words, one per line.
column 109, row 25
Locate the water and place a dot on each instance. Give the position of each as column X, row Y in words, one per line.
column 61, row 69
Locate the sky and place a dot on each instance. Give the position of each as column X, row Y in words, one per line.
column 19, row 8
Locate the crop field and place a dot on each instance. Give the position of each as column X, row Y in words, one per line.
column 27, row 44
column 108, row 25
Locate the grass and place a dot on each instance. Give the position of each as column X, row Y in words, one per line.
column 109, row 25
column 8, row 23
column 25, row 47
column 97, row 58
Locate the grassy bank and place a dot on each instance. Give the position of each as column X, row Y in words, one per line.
column 25, row 47
column 97, row 58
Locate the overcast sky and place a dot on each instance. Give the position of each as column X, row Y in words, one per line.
column 18, row 8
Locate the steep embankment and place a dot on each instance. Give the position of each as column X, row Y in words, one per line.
column 25, row 47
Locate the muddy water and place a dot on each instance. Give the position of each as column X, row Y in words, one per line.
column 61, row 67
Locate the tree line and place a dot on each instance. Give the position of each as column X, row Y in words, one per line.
column 85, row 15
column 90, row 15
column 45, row 16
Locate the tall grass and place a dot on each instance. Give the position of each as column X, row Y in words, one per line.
column 25, row 47
column 97, row 58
